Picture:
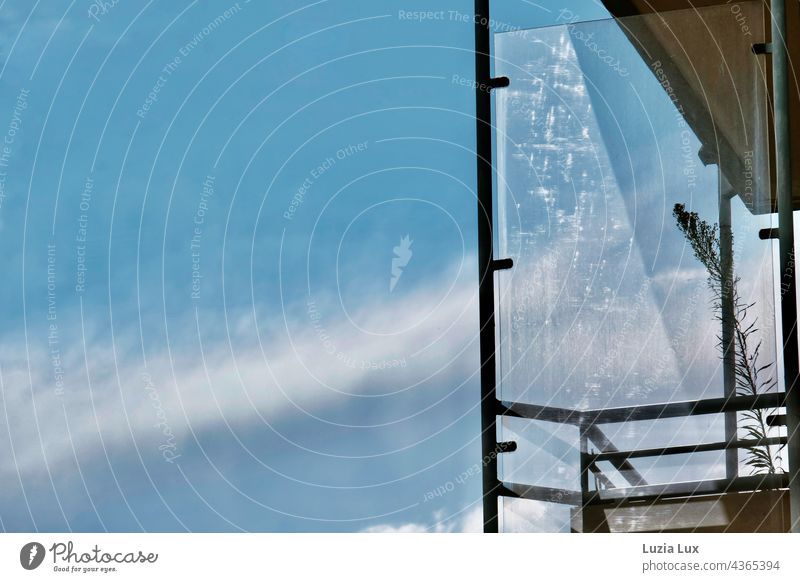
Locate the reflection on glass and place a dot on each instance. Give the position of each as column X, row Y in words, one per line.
column 607, row 126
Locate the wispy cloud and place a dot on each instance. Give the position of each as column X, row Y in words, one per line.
column 225, row 379
column 470, row 521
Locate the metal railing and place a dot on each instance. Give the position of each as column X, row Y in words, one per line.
column 589, row 423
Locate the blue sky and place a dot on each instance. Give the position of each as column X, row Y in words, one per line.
column 198, row 231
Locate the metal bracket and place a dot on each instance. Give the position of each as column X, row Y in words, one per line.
column 502, row 264
column 776, row 420
column 768, row 233
column 497, row 82
column 762, row 48
column 506, row 447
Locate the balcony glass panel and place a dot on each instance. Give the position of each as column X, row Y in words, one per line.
column 613, row 300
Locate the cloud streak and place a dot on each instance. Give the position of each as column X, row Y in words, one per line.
column 113, row 401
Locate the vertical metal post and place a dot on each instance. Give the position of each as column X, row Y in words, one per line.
column 483, row 145
column 584, row 468
column 783, row 160
column 728, row 314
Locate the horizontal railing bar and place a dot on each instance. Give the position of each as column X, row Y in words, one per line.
column 776, row 420
column 685, row 449
column 622, row 495
column 688, row 489
column 640, row 412
column 538, row 412
column 539, row 493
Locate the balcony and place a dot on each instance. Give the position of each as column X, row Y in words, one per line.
column 640, row 380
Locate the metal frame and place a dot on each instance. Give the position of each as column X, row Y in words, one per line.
column 623, row 496
column 491, row 407
column 728, row 309
column 587, row 422
column 483, row 149
column 783, row 181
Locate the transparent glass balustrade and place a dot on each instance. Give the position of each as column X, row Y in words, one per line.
column 607, row 126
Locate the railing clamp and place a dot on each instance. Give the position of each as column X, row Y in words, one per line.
column 497, row 82
column 502, row 264
column 506, row 447
column 762, row 48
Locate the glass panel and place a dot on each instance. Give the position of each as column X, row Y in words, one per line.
column 607, row 126
column 558, row 456
column 521, row 515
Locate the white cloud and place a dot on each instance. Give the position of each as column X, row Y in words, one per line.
column 470, row 521
column 235, row 381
